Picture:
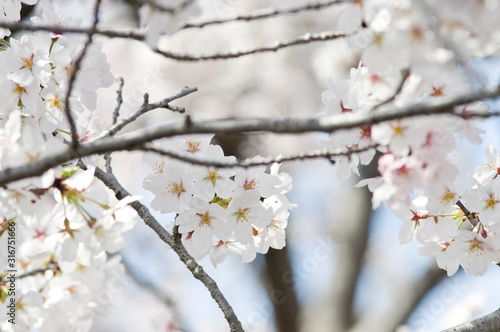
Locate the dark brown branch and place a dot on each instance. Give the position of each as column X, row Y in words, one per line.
column 112, row 183
column 265, row 13
column 488, row 323
column 305, row 39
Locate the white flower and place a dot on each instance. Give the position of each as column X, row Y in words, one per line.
column 473, row 252
column 212, row 180
column 484, row 200
column 256, row 179
column 204, row 220
column 244, row 211
column 24, row 63
column 489, row 171
column 172, row 189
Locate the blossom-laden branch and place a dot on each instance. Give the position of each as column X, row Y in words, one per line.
column 264, row 13
column 305, row 39
column 486, row 323
column 136, row 140
column 112, row 183
column 74, row 73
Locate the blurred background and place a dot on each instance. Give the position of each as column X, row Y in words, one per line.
column 343, row 268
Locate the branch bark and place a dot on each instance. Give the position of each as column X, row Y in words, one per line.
column 137, row 139
column 197, row 271
column 488, row 323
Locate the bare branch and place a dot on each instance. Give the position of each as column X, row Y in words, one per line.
column 119, row 100
column 136, row 140
column 51, row 266
column 405, row 75
column 112, row 183
column 19, row 26
column 247, row 163
column 305, row 39
column 74, row 73
column 488, row 323
column 146, row 107
column 265, row 13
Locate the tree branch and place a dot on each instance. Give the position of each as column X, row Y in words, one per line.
column 247, row 163
column 488, row 323
column 19, row 26
column 351, row 242
column 146, row 107
column 135, row 140
column 305, row 39
column 112, row 183
column 74, row 73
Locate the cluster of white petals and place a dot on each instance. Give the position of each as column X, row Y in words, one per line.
column 219, row 211
column 411, row 53
column 63, row 222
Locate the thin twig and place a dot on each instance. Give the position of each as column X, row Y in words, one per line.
column 405, row 75
column 119, row 100
column 135, row 140
column 264, row 13
column 20, row 26
column 72, row 79
column 471, row 216
column 247, row 163
column 116, row 113
column 112, row 183
column 52, row 266
column 305, row 39
column 146, row 107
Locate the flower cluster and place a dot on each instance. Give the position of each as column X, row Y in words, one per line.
column 407, row 61
column 63, row 222
column 243, row 211
column 63, row 233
